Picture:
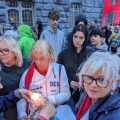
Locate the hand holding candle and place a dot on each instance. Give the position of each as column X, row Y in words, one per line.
column 37, row 100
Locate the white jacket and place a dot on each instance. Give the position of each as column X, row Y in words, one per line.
column 48, row 86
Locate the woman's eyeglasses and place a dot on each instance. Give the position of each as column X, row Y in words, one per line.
column 4, row 52
column 100, row 82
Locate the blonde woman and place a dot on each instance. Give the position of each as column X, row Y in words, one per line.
column 44, row 76
column 13, row 66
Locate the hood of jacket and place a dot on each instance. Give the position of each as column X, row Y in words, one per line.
column 24, row 31
column 52, row 31
column 81, row 17
column 106, row 28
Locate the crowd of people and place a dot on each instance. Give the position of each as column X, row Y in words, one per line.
column 80, row 72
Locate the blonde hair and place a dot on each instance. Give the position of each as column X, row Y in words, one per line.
column 108, row 63
column 43, row 47
column 12, row 45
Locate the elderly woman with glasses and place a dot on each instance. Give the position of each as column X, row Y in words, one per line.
column 12, row 67
column 99, row 77
column 44, row 76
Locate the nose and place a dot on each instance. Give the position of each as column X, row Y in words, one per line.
column 55, row 21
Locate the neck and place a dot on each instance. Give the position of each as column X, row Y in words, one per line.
column 98, row 46
column 11, row 63
column 94, row 101
column 79, row 49
column 52, row 28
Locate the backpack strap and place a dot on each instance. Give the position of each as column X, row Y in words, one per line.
column 60, row 66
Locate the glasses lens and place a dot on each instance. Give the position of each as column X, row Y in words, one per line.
column 5, row 51
column 87, row 79
column 102, row 83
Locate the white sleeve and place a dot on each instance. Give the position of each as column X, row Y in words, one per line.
column 64, row 94
column 21, row 108
column 21, row 104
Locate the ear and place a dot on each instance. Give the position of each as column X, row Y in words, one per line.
column 117, row 81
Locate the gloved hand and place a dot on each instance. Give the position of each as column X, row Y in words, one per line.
column 47, row 111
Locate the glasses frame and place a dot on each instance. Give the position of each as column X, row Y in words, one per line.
column 94, row 79
column 1, row 51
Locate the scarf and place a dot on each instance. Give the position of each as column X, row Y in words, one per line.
column 86, row 103
column 28, row 79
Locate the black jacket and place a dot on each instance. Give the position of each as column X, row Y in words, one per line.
column 107, row 34
column 72, row 60
column 10, row 76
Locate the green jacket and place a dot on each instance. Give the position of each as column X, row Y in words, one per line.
column 26, row 41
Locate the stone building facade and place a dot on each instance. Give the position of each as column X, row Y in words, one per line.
column 29, row 11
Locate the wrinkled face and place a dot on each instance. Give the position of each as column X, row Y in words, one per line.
column 96, row 39
column 53, row 23
column 78, row 39
column 94, row 91
column 6, row 56
column 41, row 61
column 115, row 30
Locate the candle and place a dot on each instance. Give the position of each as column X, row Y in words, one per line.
column 36, row 99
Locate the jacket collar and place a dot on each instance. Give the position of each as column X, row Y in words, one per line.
column 52, row 31
column 110, row 102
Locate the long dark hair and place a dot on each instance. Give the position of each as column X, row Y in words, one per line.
column 81, row 28
column 40, row 28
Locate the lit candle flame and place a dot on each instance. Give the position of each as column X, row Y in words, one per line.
column 35, row 97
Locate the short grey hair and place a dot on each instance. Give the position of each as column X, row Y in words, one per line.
column 108, row 63
column 43, row 47
column 12, row 45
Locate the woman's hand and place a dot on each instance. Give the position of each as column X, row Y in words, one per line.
column 24, row 118
column 74, row 85
column 25, row 93
column 47, row 111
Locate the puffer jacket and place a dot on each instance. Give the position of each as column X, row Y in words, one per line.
column 26, row 41
column 107, row 108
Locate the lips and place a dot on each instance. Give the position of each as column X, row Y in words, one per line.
column 93, row 91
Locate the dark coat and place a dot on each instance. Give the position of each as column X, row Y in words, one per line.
column 7, row 101
column 107, row 108
column 71, row 61
column 10, row 77
column 107, row 34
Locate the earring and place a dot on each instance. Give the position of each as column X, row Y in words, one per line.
column 111, row 92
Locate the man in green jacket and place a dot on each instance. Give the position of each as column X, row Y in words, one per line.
column 26, row 41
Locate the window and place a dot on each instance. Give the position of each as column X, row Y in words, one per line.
column 22, row 12
column 74, row 11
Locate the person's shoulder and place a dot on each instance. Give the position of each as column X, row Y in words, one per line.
column 60, row 31
column 26, row 61
column 65, row 51
column 89, row 49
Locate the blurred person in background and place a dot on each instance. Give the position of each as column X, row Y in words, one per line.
column 26, row 41
column 13, row 24
column 39, row 26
